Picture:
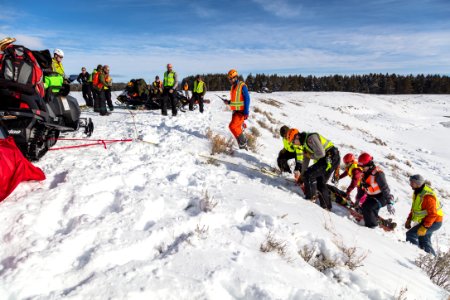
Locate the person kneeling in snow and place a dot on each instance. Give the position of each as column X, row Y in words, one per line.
column 374, row 185
column 426, row 210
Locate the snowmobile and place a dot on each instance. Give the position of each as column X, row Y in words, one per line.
column 34, row 117
column 137, row 96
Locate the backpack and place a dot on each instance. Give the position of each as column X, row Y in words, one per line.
column 20, row 71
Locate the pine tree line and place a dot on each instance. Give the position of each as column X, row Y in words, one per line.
column 370, row 84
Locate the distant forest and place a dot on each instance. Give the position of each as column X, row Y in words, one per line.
column 369, row 84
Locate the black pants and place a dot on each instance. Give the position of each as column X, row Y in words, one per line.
column 196, row 97
column 283, row 158
column 87, row 94
column 316, row 177
column 165, row 100
column 370, row 209
column 95, row 96
column 108, row 99
column 101, row 101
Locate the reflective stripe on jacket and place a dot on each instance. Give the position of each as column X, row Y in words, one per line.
column 372, row 187
column 326, row 144
column 237, row 98
column 351, row 168
column 418, row 213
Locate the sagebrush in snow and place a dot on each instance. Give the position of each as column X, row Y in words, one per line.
column 207, row 203
column 254, row 131
column 252, row 142
column 401, row 295
column 273, row 245
column 220, row 144
column 437, row 268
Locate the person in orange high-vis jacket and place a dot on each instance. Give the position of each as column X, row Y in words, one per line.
column 426, row 212
column 240, row 105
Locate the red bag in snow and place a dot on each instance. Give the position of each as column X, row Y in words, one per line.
column 14, row 168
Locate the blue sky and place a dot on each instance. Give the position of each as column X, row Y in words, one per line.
column 138, row 38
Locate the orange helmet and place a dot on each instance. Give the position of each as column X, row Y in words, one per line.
column 291, row 134
column 232, row 73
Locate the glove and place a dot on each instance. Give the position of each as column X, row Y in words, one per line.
column 391, row 209
column 245, row 117
column 421, row 231
column 408, row 224
column 297, row 175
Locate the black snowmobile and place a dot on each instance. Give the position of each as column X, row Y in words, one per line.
column 138, row 96
column 34, row 121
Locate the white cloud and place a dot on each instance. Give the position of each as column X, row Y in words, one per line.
column 280, row 8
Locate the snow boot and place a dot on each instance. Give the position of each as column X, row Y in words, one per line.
column 242, row 141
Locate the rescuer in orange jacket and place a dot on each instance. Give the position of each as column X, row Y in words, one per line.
column 240, row 105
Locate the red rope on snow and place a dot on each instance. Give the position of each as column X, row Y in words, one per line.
column 97, row 142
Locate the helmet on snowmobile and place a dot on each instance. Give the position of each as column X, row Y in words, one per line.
column 348, row 158
column 283, row 130
column 365, row 159
column 58, row 52
column 291, row 134
column 232, row 73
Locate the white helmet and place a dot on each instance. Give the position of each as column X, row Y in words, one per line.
column 58, row 52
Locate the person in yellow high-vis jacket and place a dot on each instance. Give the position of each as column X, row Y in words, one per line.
column 426, row 212
column 198, row 93
column 289, row 152
column 170, row 84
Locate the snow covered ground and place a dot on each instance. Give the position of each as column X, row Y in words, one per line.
column 138, row 221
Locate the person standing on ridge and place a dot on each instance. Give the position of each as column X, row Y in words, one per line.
column 240, row 105
column 426, row 211
column 326, row 160
column 198, row 93
column 83, row 79
column 108, row 87
column 170, row 84
column 374, row 185
column 101, row 85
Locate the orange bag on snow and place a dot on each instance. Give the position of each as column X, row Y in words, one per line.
column 14, row 168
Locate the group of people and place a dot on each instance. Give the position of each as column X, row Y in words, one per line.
column 373, row 191
column 96, row 88
column 167, row 89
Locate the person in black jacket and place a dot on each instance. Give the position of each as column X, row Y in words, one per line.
column 374, row 185
column 83, row 79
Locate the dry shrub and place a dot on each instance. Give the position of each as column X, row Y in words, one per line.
column 437, row 268
column 263, row 124
column 272, row 102
column 252, row 143
column 379, row 142
column 391, row 156
column 307, row 252
column 201, row 232
column 207, row 203
column 254, row 131
column 408, row 163
column 257, row 110
column 401, row 294
column 273, row 245
column 352, row 259
column 220, row 144
column 270, row 118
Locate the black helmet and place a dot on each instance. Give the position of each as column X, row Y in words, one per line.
column 283, row 130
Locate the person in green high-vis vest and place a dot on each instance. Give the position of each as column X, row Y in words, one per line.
column 426, row 212
column 170, row 84
column 198, row 93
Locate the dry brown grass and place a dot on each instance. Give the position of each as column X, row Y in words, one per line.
column 391, row 156
column 254, row 131
column 378, row 141
column 207, row 203
column 273, row 245
column 252, row 142
column 220, row 144
column 272, row 102
column 437, row 268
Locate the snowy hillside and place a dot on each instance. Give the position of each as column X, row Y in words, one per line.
column 145, row 221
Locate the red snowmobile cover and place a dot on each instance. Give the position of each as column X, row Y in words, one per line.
column 14, row 168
